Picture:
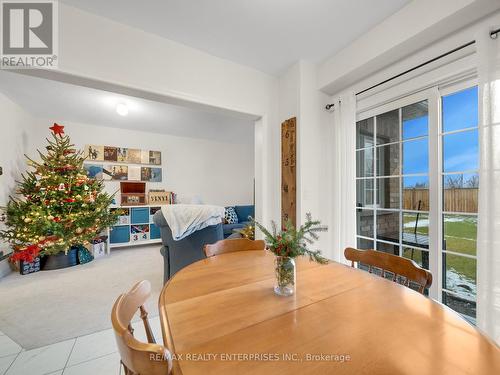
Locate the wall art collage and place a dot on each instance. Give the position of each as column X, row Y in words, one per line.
column 122, row 172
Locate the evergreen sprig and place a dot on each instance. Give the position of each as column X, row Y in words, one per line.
column 293, row 242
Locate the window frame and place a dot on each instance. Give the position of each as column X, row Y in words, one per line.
column 451, row 88
column 433, row 95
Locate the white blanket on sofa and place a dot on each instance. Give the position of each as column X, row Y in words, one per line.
column 184, row 219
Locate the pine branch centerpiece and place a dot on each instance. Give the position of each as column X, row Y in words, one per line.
column 289, row 243
column 58, row 207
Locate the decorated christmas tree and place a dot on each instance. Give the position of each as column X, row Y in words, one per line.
column 57, row 206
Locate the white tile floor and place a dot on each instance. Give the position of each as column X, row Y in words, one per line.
column 94, row 354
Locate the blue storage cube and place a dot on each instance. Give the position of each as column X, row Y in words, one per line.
column 140, row 215
column 119, row 234
column 154, row 232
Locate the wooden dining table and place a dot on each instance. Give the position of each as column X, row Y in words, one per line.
column 220, row 316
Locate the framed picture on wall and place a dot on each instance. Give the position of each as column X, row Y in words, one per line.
column 122, row 153
column 134, row 173
column 134, row 156
column 145, row 173
column 94, row 152
column 115, row 172
column 94, row 171
column 155, row 157
column 155, row 175
column 144, row 157
column 110, row 153
column 151, row 174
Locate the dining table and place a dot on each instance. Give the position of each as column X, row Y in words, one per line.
column 220, row 315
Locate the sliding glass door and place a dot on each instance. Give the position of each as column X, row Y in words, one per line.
column 416, row 187
column 460, row 183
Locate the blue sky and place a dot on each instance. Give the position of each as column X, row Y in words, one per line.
column 460, row 150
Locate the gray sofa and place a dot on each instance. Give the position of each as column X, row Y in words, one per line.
column 179, row 254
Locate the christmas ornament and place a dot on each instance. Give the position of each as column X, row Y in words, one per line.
column 79, row 230
column 57, row 129
column 61, row 187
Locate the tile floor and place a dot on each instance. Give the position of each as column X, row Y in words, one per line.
column 94, row 354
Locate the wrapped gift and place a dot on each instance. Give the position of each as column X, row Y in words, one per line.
column 99, row 246
column 26, row 268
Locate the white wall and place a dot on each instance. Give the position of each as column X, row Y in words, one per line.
column 218, row 173
column 15, row 141
column 105, row 51
column 299, row 97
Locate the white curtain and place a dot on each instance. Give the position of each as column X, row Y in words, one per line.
column 488, row 236
column 343, row 220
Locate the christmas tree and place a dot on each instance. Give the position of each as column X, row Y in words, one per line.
column 58, row 205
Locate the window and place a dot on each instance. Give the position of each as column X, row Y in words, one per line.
column 396, row 150
column 460, row 182
column 392, row 182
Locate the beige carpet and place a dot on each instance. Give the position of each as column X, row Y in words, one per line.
column 52, row 306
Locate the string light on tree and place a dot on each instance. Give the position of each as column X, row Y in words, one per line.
column 48, row 216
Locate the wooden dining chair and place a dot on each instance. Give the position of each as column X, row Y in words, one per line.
column 138, row 358
column 232, row 245
column 403, row 270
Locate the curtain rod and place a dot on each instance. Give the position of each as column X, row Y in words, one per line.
column 420, row 65
column 494, row 33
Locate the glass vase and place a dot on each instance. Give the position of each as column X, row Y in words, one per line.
column 285, row 276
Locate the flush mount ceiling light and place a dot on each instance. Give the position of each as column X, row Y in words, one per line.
column 122, row 109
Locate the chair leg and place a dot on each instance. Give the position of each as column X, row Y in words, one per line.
column 126, row 371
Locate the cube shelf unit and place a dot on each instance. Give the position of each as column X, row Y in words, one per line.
column 134, row 227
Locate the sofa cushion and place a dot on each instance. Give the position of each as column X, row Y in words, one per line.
column 230, row 216
column 244, row 212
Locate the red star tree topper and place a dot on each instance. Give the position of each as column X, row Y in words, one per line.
column 57, row 129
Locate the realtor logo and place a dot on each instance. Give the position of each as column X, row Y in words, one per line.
column 29, row 34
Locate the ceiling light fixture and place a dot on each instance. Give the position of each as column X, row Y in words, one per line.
column 122, row 109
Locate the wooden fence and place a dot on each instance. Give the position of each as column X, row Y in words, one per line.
column 454, row 200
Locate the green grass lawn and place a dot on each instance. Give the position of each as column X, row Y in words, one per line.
column 460, row 234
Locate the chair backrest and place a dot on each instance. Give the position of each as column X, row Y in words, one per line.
column 398, row 266
column 234, row 244
column 138, row 357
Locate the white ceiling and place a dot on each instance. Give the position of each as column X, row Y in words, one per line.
column 62, row 102
column 268, row 35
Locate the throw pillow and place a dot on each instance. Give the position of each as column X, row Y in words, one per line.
column 230, row 216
